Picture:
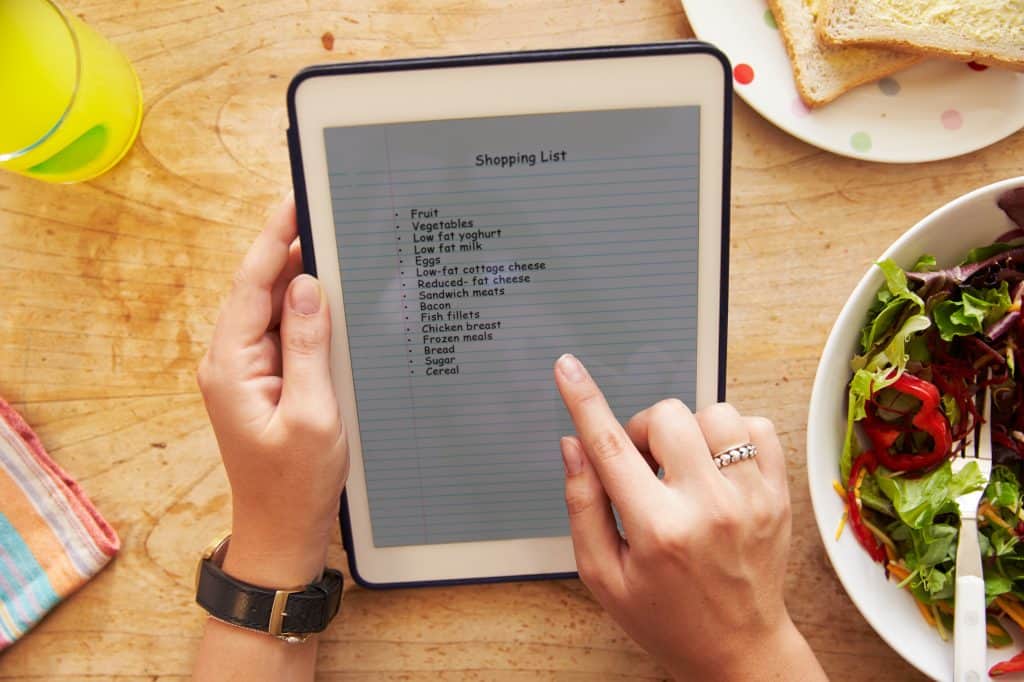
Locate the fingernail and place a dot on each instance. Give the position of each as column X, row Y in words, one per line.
column 304, row 295
column 572, row 456
column 571, row 368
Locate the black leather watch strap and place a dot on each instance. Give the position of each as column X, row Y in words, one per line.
column 298, row 612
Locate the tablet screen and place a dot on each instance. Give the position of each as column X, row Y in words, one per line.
column 472, row 254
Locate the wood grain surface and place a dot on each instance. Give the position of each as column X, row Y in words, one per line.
column 110, row 290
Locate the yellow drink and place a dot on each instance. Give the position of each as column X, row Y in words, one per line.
column 72, row 102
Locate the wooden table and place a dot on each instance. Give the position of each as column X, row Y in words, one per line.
column 111, row 288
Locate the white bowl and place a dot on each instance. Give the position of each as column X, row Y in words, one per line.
column 948, row 234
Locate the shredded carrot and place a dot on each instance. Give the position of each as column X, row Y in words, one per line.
column 841, row 526
column 944, row 607
column 898, row 571
column 925, row 612
column 1015, row 615
column 890, row 553
column 943, row 633
column 989, row 513
column 856, row 486
column 1014, row 307
column 840, row 490
column 1012, row 609
column 995, row 630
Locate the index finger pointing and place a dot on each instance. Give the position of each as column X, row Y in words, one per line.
column 623, row 472
column 248, row 311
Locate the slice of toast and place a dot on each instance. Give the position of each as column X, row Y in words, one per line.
column 824, row 72
column 987, row 31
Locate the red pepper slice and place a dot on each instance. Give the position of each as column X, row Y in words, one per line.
column 864, row 535
column 929, row 419
column 1014, row 665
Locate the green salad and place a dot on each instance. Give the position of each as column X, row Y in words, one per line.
column 933, row 340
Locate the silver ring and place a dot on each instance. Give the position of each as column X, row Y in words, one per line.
column 736, row 454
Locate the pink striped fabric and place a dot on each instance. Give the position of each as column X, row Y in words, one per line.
column 52, row 539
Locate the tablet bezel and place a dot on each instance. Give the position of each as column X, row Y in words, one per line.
column 621, row 77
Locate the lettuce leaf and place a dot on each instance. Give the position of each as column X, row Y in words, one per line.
column 930, row 554
column 882, row 321
column 995, row 585
column 976, row 309
column 926, row 529
column 871, row 496
column 925, row 263
column 1003, row 490
column 985, row 252
column 918, row 501
column 892, row 305
column 895, row 353
column 860, row 392
column 896, row 282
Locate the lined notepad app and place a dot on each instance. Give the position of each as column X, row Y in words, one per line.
column 473, row 253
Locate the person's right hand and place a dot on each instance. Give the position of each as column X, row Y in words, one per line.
column 698, row 578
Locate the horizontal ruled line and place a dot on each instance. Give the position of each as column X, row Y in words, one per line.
column 439, row 380
column 540, row 281
column 483, row 299
column 609, row 392
column 419, row 332
column 474, row 214
column 439, row 206
column 399, row 196
column 544, row 316
column 590, row 267
column 523, row 254
column 581, row 347
column 512, row 176
column 498, row 244
column 418, row 364
column 390, row 244
column 515, row 510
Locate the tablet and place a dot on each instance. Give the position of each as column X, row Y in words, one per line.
column 471, row 219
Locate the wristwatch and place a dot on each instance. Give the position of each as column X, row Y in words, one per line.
column 289, row 614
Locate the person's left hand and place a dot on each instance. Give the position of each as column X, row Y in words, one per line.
column 266, row 380
column 698, row 578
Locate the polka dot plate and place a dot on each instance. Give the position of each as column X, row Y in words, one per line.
column 935, row 110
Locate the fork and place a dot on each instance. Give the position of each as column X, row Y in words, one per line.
column 970, row 645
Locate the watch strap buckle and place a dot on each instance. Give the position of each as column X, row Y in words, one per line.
column 277, row 613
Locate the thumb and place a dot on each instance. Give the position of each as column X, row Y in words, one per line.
column 305, row 347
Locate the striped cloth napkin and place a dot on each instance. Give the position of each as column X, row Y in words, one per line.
column 52, row 539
